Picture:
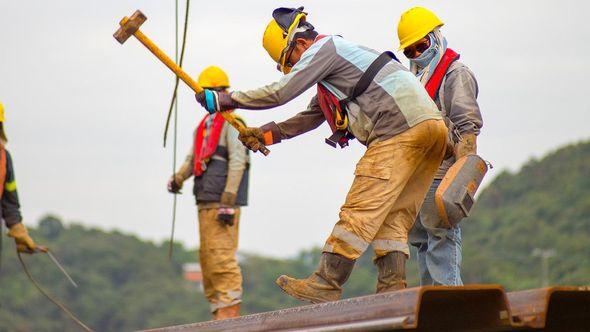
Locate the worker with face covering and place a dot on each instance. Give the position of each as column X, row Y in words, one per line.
column 454, row 89
column 9, row 203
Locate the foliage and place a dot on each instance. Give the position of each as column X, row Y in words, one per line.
column 129, row 284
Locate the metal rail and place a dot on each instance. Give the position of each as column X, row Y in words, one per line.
column 432, row 308
column 473, row 307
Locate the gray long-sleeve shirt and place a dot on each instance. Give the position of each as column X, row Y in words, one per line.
column 394, row 101
column 457, row 99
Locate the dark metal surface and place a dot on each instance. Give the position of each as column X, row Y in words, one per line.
column 466, row 308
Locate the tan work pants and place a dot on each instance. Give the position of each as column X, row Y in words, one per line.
column 222, row 277
column 391, row 181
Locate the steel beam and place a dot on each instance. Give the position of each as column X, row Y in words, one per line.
column 473, row 307
column 552, row 309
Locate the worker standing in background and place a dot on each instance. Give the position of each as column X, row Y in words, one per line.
column 220, row 165
column 9, row 197
column 364, row 95
column 454, row 89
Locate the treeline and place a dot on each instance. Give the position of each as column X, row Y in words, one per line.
column 126, row 283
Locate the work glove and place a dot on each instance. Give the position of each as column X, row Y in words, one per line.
column 251, row 137
column 24, row 243
column 226, row 212
column 216, row 101
column 174, row 185
column 466, row 146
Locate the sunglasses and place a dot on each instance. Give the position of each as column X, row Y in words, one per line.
column 416, row 49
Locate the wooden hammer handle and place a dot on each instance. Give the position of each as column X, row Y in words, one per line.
column 229, row 117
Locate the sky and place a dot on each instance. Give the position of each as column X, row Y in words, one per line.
column 85, row 115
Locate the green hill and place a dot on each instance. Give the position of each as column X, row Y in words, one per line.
column 545, row 205
column 127, row 283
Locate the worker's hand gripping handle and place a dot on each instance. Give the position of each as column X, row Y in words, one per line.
column 130, row 26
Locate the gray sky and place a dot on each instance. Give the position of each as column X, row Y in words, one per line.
column 85, row 115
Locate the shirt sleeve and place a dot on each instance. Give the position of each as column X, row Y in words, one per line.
column 461, row 101
column 10, row 203
column 186, row 169
column 301, row 123
column 315, row 64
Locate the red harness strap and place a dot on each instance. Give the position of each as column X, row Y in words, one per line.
column 440, row 71
column 206, row 141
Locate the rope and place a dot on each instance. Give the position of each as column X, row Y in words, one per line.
column 61, row 306
column 173, row 101
column 174, row 105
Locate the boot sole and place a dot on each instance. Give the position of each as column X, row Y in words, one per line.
column 282, row 283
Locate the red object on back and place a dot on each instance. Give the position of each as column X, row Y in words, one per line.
column 328, row 103
column 440, row 71
column 206, row 141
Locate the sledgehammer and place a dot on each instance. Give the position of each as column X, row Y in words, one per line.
column 130, row 26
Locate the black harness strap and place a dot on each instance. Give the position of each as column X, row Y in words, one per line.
column 359, row 88
column 368, row 76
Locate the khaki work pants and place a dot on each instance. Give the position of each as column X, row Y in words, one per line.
column 222, row 277
column 391, row 181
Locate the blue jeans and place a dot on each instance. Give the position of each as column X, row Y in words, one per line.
column 439, row 249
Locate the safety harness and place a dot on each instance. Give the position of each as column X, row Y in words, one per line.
column 335, row 110
column 435, row 81
column 206, row 141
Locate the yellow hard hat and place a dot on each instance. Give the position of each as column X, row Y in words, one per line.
column 1, row 112
column 279, row 34
column 415, row 24
column 213, row 77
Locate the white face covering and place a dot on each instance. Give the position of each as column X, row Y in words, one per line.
column 423, row 66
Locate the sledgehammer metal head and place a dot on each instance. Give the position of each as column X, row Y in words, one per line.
column 129, row 26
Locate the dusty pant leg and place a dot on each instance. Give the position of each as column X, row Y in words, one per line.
column 418, row 238
column 430, row 136
column 380, row 177
column 443, row 257
column 221, row 273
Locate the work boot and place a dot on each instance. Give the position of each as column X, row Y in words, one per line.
column 324, row 284
column 227, row 312
column 391, row 274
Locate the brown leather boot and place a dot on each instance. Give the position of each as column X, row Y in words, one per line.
column 227, row 312
column 391, row 274
column 324, row 284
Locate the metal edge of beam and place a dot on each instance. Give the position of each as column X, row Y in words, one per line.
column 384, row 324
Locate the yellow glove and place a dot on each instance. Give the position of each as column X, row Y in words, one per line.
column 251, row 138
column 466, row 146
column 24, row 243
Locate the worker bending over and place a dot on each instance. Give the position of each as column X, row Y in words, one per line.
column 362, row 95
column 9, row 203
column 220, row 165
column 454, row 89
